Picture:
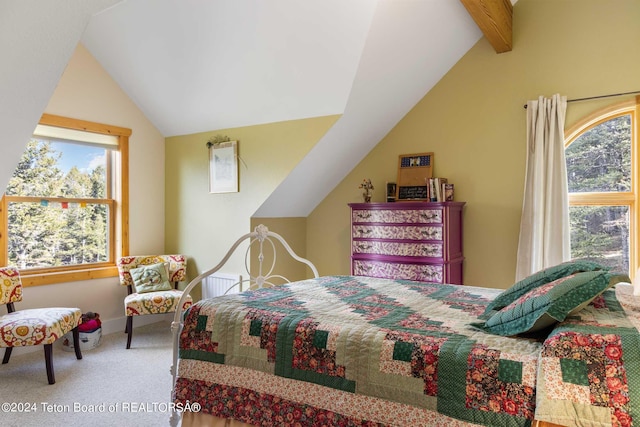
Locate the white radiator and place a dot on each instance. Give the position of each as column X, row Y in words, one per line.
column 219, row 283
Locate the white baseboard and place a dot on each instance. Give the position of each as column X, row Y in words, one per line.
column 110, row 326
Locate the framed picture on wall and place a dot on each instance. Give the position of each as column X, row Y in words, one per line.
column 223, row 167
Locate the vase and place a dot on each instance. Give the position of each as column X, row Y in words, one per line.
column 367, row 196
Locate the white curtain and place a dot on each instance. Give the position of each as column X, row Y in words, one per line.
column 544, row 227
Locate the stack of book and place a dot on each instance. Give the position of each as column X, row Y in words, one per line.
column 440, row 190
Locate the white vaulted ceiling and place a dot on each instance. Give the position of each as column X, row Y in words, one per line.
column 195, row 66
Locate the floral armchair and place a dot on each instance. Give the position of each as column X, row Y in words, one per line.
column 33, row 326
column 152, row 285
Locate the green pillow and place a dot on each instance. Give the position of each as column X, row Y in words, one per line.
column 549, row 303
column 151, row 278
column 540, row 278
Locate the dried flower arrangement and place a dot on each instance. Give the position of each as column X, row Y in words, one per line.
column 366, row 187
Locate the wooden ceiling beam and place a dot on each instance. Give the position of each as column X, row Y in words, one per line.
column 494, row 18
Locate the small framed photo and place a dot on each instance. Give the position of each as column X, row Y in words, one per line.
column 223, row 167
column 391, row 191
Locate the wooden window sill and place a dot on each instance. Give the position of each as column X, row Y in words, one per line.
column 39, row 278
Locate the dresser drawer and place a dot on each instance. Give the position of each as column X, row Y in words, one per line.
column 420, row 272
column 421, row 249
column 398, row 216
column 394, row 232
column 419, row 241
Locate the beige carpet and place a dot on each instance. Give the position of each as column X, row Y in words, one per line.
column 110, row 386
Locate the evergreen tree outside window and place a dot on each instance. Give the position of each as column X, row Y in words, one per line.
column 602, row 173
column 64, row 212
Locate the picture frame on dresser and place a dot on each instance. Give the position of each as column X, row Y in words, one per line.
column 391, row 191
column 414, row 172
column 419, row 241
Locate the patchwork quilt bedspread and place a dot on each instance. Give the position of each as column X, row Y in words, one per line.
column 360, row 351
column 589, row 370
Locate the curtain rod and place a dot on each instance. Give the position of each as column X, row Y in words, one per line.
column 600, row 96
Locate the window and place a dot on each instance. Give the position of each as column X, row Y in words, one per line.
column 602, row 173
column 64, row 214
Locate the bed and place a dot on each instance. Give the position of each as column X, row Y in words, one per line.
column 362, row 351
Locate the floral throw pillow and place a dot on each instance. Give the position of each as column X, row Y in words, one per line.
column 151, row 278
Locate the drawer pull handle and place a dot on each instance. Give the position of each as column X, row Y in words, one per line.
column 429, row 251
column 428, row 233
column 364, row 247
column 365, row 215
column 430, row 215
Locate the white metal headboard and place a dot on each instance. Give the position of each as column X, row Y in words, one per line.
column 264, row 277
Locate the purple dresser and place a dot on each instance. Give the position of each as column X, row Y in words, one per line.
column 407, row 240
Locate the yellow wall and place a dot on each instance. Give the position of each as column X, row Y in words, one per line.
column 205, row 225
column 474, row 122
